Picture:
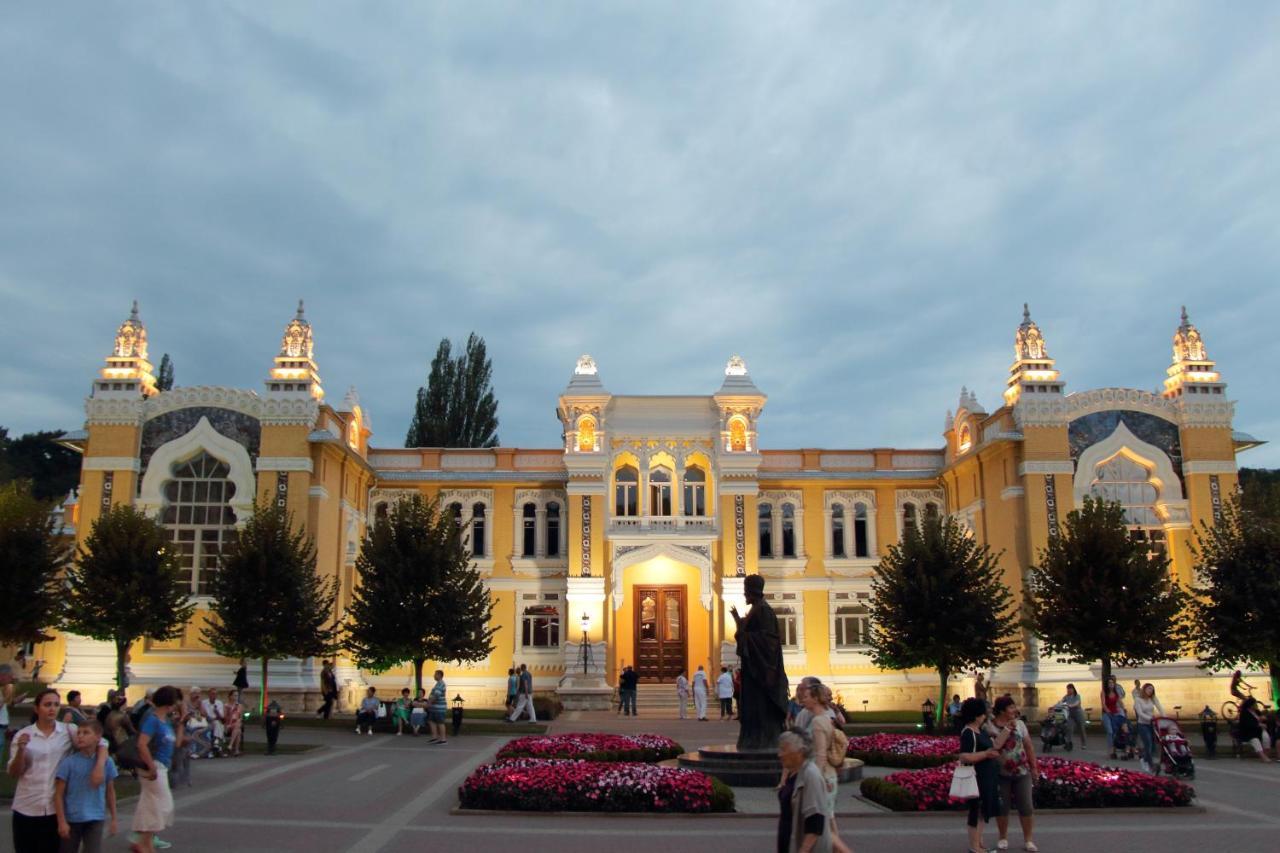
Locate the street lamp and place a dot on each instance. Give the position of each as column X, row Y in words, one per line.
column 584, row 653
column 926, row 712
column 457, row 714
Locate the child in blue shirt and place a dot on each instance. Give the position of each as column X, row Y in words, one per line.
column 80, row 806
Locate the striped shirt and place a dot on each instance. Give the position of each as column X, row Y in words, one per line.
column 439, row 703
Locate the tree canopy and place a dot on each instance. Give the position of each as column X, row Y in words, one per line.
column 52, row 469
column 939, row 600
column 164, row 375
column 31, row 558
column 1099, row 595
column 267, row 600
column 126, row 584
column 418, row 597
column 457, row 407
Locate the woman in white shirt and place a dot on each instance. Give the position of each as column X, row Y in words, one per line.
column 682, row 695
column 700, row 693
column 724, row 692
column 37, row 749
column 1146, row 706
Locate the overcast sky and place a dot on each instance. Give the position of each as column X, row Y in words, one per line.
column 857, row 198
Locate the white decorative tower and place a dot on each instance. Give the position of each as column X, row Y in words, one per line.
column 1033, row 371
column 295, row 374
column 128, row 373
column 581, row 411
column 1192, row 371
column 740, row 403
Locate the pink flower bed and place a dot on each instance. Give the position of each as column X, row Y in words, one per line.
column 1063, row 784
column 904, row 750
column 542, row 784
column 594, row 747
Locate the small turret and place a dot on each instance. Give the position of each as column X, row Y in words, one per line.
column 295, row 373
column 127, row 373
column 740, row 403
column 1033, row 371
column 1192, row 371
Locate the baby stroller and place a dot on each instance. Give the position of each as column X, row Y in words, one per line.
column 1122, row 738
column 1175, row 753
column 1054, row 731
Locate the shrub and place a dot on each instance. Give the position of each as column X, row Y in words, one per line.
column 904, row 750
column 888, row 794
column 547, row 707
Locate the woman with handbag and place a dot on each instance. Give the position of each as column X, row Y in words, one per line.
column 976, row 777
column 821, row 730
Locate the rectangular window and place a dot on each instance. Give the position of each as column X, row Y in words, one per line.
column 853, row 627
column 541, row 627
column 553, row 530
column 766, row 530
column 787, row 625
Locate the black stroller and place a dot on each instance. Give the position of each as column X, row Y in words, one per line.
column 1054, row 731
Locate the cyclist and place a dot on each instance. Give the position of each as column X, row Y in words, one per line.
column 1237, row 681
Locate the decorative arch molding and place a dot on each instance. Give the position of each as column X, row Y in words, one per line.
column 201, row 437
column 1123, row 442
column 625, row 556
column 1103, row 399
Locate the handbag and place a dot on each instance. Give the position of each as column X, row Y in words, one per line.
column 964, row 781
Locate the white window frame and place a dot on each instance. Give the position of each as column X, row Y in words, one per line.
column 539, row 564
column 848, row 595
column 918, row 497
column 849, row 499
column 469, row 498
column 778, row 565
column 793, row 655
column 538, row 596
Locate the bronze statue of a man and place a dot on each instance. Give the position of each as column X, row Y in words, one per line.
column 762, row 710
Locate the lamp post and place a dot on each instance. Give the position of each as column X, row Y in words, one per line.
column 926, row 712
column 584, row 653
column 457, row 714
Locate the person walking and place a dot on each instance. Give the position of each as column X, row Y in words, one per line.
column 81, row 806
column 437, row 706
column 1017, row 769
column 156, row 743
column 1113, row 713
column 724, row 692
column 1075, row 715
column 682, row 695
column 368, row 713
column 821, row 731
column 328, row 689
column 977, row 748
column 33, row 762
column 1145, row 708
column 7, row 698
column 241, row 680
column 524, row 696
column 700, row 693
column 1251, row 731
column 804, row 811
column 513, row 684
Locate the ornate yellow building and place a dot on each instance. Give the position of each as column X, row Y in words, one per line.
column 636, row 530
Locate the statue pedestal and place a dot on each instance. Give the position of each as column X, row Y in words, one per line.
column 750, row 768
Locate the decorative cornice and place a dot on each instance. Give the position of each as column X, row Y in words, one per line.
column 318, row 492
column 1205, row 413
column 1008, row 493
column 466, row 497
column 111, row 463
column 849, row 498
column 279, row 412
column 109, row 412
column 1104, row 399
column 1054, row 467
column 285, row 463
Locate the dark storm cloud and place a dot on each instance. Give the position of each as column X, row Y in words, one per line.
column 855, row 198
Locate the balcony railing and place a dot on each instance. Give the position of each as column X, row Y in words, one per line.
column 663, row 523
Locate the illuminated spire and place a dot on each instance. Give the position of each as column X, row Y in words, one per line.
column 1192, row 371
column 295, row 373
column 1033, row 371
column 127, row 373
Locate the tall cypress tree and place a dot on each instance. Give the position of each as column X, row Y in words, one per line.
column 125, row 584
column 164, row 375
column 1098, row 595
column 31, row 558
column 457, row 407
column 939, row 600
column 418, row 597
column 1237, row 596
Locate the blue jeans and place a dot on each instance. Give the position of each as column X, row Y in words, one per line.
column 1110, row 723
column 628, row 697
column 1147, row 737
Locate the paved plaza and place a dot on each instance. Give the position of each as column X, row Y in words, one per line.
column 362, row 794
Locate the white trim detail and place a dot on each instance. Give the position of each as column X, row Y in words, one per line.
column 662, row 549
column 1008, row 493
column 111, row 463
column 318, row 492
column 1123, row 441
column 1055, row 467
column 1209, row 466
column 285, row 463
column 201, row 437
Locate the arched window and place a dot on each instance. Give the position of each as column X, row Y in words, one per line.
column 553, row 529
column 626, row 492
column 1123, row 481
column 455, row 512
column 660, row 491
column 788, row 530
column 540, row 626
column 908, row 515
column 529, row 531
column 837, row 530
column 695, row 491
column 931, row 511
column 861, row 542
column 586, row 434
column 765, row 514
column 198, row 518
column 737, row 435
column 477, row 530
column 380, row 510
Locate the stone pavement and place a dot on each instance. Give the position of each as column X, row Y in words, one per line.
column 365, row 794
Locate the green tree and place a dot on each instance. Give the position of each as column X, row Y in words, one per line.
column 938, row 600
column 457, row 407
column 1237, row 595
column 31, row 558
column 267, row 600
column 1099, row 595
column 125, row 584
column 164, row 376
column 418, row 597
column 52, row 469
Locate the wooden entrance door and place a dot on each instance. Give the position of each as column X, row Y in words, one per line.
column 661, row 632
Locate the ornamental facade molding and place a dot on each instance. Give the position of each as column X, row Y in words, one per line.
column 1134, row 399
column 795, row 497
column 919, row 497
column 107, row 412
column 1206, row 414
column 850, row 497
column 467, row 497
column 282, row 412
column 539, row 498
column 698, row 556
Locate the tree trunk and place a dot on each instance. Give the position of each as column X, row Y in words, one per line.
column 943, row 676
column 417, row 675
column 262, row 697
column 1106, row 676
column 1274, row 667
column 122, row 652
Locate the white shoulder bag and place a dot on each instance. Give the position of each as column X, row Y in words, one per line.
column 964, row 781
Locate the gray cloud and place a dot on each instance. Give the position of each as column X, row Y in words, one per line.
column 857, row 198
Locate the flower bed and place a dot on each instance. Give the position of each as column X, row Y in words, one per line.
column 904, row 750
column 553, row 784
column 649, row 749
column 1063, row 784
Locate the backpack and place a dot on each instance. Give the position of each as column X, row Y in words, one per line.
column 838, row 748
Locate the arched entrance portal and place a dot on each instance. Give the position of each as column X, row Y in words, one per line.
column 662, row 625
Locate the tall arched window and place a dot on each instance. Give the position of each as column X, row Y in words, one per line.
column 695, row 491
column 553, row 529
column 837, row 530
column 861, row 542
column 198, row 517
column 788, row 530
column 586, row 434
column 455, row 512
column 477, row 530
column 737, row 435
column 380, row 510
column 908, row 515
column 529, row 530
column 765, row 515
column 1123, row 481
column 931, row 510
column 626, row 492
column 660, row 491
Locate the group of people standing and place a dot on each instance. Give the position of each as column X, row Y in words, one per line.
column 995, row 742
column 812, row 750
column 728, row 689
